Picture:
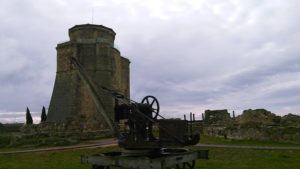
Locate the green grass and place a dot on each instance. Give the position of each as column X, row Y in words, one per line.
column 250, row 159
column 48, row 160
column 220, row 140
column 219, row 158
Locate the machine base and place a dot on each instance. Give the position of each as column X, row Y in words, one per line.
column 181, row 158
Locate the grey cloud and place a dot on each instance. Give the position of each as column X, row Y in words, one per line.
column 191, row 56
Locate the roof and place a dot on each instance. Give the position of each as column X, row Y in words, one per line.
column 91, row 26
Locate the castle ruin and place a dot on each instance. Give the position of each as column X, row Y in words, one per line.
column 93, row 47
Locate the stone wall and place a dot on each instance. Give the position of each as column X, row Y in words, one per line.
column 258, row 124
column 216, row 117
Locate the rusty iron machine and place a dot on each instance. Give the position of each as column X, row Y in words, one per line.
column 141, row 147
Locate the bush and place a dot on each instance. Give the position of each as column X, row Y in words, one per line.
column 4, row 141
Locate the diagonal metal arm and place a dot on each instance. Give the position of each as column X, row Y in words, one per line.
column 92, row 90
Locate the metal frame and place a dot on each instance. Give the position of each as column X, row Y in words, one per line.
column 161, row 161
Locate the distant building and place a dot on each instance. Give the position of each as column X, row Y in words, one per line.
column 216, row 117
column 92, row 46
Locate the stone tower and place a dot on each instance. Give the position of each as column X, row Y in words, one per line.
column 93, row 47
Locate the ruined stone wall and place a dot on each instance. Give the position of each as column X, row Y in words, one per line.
column 256, row 124
column 216, row 117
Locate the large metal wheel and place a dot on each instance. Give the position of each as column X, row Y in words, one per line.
column 186, row 165
column 153, row 102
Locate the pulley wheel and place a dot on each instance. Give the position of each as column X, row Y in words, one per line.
column 153, row 102
column 186, row 165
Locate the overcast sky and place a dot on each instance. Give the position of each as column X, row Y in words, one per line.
column 191, row 54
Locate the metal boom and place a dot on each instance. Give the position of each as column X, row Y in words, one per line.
column 92, row 90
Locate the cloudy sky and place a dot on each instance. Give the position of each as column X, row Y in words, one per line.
column 191, row 54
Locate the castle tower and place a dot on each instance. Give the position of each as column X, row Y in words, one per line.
column 93, row 47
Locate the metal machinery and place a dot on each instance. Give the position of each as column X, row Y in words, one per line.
column 141, row 149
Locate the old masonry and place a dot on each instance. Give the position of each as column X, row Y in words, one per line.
column 93, row 47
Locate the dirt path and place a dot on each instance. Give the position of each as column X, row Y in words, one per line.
column 93, row 144
column 247, row 147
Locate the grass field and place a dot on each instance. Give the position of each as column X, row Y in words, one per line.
column 219, row 140
column 250, row 159
column 220, row 158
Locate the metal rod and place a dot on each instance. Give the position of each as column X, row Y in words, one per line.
column 191, row 123
column 161, row 116
column 92, row 89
